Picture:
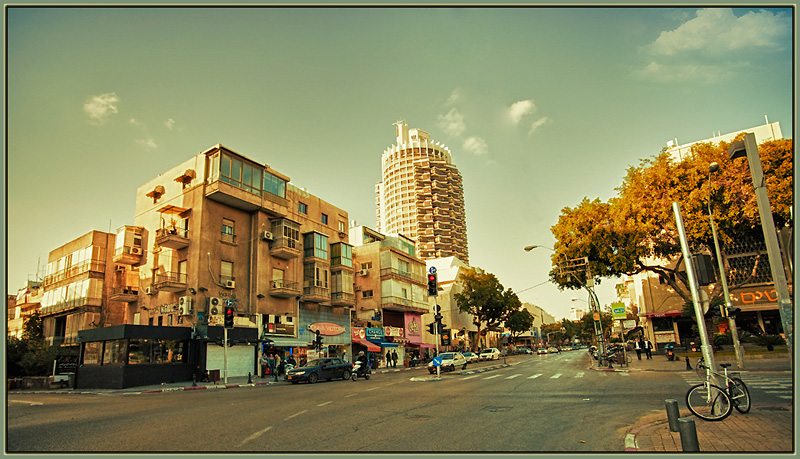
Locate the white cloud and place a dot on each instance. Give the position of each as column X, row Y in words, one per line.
column 476, row 145
column 455, row 96
column 452, row 123
column 147, row 143
column 520, row 109
column 707, row 73
column 536, row 124
column 719, row 30
column 136, row 123
column 169, row 123
column 99, row 107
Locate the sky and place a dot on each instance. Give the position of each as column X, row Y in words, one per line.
column 540, row 108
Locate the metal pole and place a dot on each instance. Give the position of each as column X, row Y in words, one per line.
column 771, row 238
column 705, row 347
column 225, row 353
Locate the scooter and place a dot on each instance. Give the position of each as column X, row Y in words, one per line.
column 670, row 351
column 359, row 371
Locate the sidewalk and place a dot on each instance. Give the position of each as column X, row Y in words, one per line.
column 766, row 428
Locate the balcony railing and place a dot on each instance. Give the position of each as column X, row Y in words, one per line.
column 128, row 255
column 282, row 288
column 170, row 282
column 405, row 275
column 316, row 294
column 285, row 248
column 67, row 305
column 397, row 303
column 343, row 299
column 75, row 270
column 172, row 237
column 125, row 294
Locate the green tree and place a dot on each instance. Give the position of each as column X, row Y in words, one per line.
column 31, row 355
column 519, row 322
column 485, row 298
column 625, row 235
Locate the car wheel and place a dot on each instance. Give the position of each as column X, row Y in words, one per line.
column 312, row 378
column 346, row 374
column 452, row 367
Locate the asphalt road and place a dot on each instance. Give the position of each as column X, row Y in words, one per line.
column 536, row 404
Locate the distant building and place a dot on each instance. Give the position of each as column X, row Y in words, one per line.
column 28, row 300
column 421, row 196
column 763, row 133
column 459, row 326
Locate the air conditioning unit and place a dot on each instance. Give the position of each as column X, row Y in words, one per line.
column 288, row 319
column 214, row 306
column 149, row 290
column 267, row 236
column 230, row 284
column 185, row 304
column 136, row 250
column 364, row 272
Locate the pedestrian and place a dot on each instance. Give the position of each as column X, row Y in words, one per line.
column 648, row 348
column 388, row 358
column 271, row 364
column 394, row 359
column 291, row 361
column 264, row 363
column 278, row 366
column 639, row 346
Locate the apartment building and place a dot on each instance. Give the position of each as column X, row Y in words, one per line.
column 27, row 301
column 223, row 230
column 391, row 295
column 421, row 195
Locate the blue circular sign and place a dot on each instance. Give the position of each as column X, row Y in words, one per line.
column 432, row 270
column 437, row 361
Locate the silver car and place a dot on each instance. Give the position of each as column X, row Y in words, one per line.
column 450, row 360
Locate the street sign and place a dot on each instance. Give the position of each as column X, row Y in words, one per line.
column 432, row 270
column 437, row 361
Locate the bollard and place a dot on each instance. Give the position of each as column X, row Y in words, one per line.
column 194, row 380
column 249, row 379
column 672, row 414
column 688, row 364
column 688, row 435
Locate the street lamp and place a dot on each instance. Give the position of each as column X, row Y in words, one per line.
column 531, row 247
column 748, row 147
column 737, row 347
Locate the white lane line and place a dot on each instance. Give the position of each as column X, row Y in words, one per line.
column 254, row 436
column 323, row 404
column 579, row 374
column 351, row 395
column 374, row 388
column 534, row 376
column 513, row 376
column 470, row 377
column 492, row 377
column 555, row 376
column 296, row 414
column 27, row 402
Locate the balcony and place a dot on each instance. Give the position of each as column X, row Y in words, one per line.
column 128, row 255
column 316, row 294
column 387, row 273
column 170, row 282
column 284, row 248
column 343, row 299
column 282, row 288
column 396, row 303
column 88, row 304
column 172, row 238
column 125, row 294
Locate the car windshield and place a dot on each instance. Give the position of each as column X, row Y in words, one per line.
column 446, row 356
column 314, row 363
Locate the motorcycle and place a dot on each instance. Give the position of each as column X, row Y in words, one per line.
column 358, row 370
column 670, row 351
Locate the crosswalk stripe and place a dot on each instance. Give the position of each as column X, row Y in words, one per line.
column 513, row 376
column 491, row 377
column 579, row 374
column 534, row 376
column 473, row 376
column 555, row 376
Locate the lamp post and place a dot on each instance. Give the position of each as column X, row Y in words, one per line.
column 737, row 346
column 748, row 147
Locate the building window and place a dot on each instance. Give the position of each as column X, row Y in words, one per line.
column 366, row 294
column 286, row 232
column 315, row 245
column 342, row 254
column 302, row 208
column 315, row 275
column 342, row 227
column 248, row 176
column 227, row 230
column 274, row 185
column 366, row 265
column 226, row 271
column 324, row 219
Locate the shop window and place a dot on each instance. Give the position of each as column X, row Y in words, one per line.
column 93, row 353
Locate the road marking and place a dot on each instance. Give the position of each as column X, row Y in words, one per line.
column 254, row 436
column 579, row 374
column 534, row 376
column 491, row 377
column 374, row 388
column 473, row 376
column 26, row 401
column 513, row 376
column 555, row 376
column 351, row 395
column 296, row 414
column 323, row 404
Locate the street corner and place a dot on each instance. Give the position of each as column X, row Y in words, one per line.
column 639, row 437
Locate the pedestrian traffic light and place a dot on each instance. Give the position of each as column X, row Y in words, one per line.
column 433, row 288
column 229, row 316
column 704, row 268
column 318, row 340
column 441, row 327
column 430, row 328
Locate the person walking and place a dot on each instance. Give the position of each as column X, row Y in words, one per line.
column 648, row 348
column 394, row 359
column 264, row 364
column 639, row 346
column 278, row 366
column 271, row 364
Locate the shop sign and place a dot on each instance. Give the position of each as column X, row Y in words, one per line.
column 168, row 308
column 326, row 328
column 374, row 333
column 393, row 331
column 359, row 333
column 755, row 296
column 627, row 324
column 618, row 311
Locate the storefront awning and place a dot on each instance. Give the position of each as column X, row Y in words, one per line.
column 286, row 342
column 370, row 346
column 661, row 314
column 429, row 346
column 384, row 343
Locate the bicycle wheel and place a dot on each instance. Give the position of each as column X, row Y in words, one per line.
column 700, row 368
column 708, row 402
column 739, row 395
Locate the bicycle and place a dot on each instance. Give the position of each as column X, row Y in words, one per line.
column 710, row 402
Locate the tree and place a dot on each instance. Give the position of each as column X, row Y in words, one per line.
column 519, row 322
column 31, row 355
column 486, row 300
column 631, row 232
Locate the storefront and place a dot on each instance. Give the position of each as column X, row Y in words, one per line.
column 413, row 335
column 333, row 325
column 377, row 337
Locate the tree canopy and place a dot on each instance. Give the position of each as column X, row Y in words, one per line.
column 486, row 300
column 631, row 232
column 519, row 322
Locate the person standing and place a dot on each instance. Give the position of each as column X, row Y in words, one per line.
column 394, row 359
column 278, row 366
column 648, row 348
column 271, row 364
column 264, row 364
column 639, row 346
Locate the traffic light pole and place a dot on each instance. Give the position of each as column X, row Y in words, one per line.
column 225, row 353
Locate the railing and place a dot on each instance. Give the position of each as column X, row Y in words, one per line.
column 74, row 270
column 170, row 278
column 71, row 304
column 316, row 291
column 343, row 297
column 418, row 278
column 406, row 302
column 172, row 231
column 284, row 284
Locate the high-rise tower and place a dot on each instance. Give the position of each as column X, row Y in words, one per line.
column 421, row 195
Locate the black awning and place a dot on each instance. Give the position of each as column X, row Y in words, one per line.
column 633, row 331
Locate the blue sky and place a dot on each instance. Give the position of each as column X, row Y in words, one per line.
column 539, row 106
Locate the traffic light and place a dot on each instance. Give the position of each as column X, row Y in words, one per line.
column 433, row 288
column 730, row 312
column 441, row 327
column 704, row 268
column 229, row 316
column 430, row 328
column 318, row 341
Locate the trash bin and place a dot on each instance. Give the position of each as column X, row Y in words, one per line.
column 71, row 380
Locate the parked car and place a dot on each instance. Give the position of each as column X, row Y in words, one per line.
column 450, row 360
column 541, row 350
column 524, row 350
column 552, row 350
column 491, row 353
column 318, row 369
column 471, row 357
